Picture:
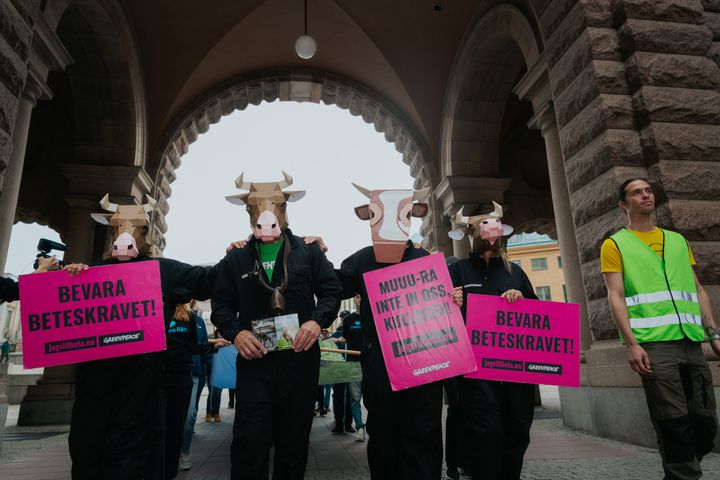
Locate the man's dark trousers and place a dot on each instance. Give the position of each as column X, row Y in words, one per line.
column 275, row 400
column 404, row 427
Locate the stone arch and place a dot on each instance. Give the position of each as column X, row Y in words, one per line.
column 487, row 149
column 107, row 82
column 96, row 119
column 287, row 85
column 484, row 74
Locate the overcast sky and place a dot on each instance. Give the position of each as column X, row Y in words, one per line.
column 322, row 147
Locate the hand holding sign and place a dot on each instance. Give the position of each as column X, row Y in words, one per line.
column 512, row 295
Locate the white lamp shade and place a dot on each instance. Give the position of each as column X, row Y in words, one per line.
column 305, row 47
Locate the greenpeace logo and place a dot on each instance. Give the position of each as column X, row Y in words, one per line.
column 120, row 338
column 431, row 368
column 543, row 368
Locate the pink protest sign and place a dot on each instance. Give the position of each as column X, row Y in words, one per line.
column 420, row 329
column 108, row 311
column 530, row 341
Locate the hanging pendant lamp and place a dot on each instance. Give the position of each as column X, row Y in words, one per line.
column 305, row 45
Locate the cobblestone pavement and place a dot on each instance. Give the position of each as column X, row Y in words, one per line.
column 555, row 453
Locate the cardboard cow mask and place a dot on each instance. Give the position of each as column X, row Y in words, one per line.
column 389, row 213
column 266, row 204
column 129, row 225
column 486, row 227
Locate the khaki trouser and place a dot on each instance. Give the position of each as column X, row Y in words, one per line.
column 680, row 396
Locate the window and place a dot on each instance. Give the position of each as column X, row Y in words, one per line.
column 543, row 293
column 539, row 263
column 517, row 262
column 559, row 262
column 565, row 293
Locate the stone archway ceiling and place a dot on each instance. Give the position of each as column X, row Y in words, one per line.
column 299, row 86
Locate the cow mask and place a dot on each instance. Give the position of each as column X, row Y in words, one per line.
column 389, row 213
column 266, row 204
column 129, row 225
column 485, row 227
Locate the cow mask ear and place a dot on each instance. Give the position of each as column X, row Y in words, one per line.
column 237, row 199
column 420, row 209
column 294, row 196
column 363, row 212
column 101, row 217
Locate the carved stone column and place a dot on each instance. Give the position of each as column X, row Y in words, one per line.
column 35, row 89
column 545, row 121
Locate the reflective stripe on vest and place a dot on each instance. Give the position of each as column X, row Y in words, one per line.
column 671, row 319
column 642, row 298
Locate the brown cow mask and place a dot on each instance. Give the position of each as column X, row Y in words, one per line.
column 129, row 225
column 485, row 227
column 266, row 204
column 389, row 212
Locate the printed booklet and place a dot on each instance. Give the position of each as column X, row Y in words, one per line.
column 276, row 333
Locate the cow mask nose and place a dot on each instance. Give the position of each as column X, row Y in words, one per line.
column 266, row 227
column 124, row 247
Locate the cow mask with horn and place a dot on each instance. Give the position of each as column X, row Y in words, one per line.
column 481, row 227
column 266, row 204
column 129, row 226
column 389, row 212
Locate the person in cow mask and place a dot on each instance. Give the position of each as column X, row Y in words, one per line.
column 496, row 415
column 122, row 405
column 404, row 427
column 275, row 273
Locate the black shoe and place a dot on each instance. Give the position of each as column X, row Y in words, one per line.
column 336, row 429
column 323, row 412
column 349, row 429
column 452, row 473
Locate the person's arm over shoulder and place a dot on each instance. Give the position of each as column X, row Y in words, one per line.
column 9, row 291
column 224, row 298
column 326, row 287
column 188, row 282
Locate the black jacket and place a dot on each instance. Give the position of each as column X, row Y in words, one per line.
column 238, row 298
column 8, row 290
column 351, row 275
column 477, row 276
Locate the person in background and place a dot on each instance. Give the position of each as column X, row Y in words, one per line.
column 341, row 400
column 231, row 401
column 353, row 338
column 212, row 405
column 324, row 391
column 203, row 348
column 5, row 351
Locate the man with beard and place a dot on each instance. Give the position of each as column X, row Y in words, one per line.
column 272, row 282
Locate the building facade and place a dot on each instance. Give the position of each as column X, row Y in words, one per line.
column 539, row 256
column 544, row 106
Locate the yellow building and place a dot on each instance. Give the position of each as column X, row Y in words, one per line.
column 539, row 256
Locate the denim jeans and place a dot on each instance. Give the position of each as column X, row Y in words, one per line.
column 355, row 391
column 213, row 401
column 190, row 419
column 326, row 398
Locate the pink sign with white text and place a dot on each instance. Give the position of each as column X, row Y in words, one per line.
column 104, row 312
column 529, row 341
column 420, row 329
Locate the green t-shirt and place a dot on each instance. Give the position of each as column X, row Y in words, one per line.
column 268, row 254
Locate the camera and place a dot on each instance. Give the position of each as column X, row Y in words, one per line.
column 44, row 247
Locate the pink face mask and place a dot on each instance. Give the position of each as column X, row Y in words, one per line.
column 491, row 229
